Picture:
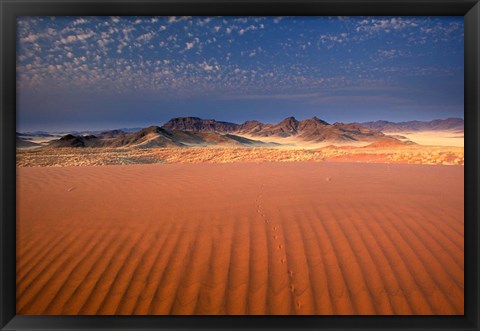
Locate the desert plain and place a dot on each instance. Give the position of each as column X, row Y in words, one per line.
column 240, row 238
column 215, row 218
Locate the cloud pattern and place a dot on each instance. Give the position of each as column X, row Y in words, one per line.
column 234, row 55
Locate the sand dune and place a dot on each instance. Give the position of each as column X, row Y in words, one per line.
column 269, row 238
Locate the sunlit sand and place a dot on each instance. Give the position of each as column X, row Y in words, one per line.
column 268, row 238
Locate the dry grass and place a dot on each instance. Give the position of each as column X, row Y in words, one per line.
column 61, row 157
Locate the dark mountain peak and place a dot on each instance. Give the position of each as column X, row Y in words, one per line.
column 289, row 119
column 287, row 127
column 153, row 129
column 68, row 137
column 68, row 140
column 197, row 124
column 182, row 122
column 290, row 123
column 188, row 118
column 311, row 126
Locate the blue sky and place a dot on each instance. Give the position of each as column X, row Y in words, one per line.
column 90, row 73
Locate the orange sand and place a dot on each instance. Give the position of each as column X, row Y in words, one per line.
column 269, row 238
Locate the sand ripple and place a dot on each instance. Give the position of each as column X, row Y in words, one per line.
column 271, row 238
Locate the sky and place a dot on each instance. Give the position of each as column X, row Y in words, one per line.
column 94, row 73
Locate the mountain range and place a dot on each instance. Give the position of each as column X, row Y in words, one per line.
column 155, row 136
column 194, row 131
column 310, row 130
column 449, row 124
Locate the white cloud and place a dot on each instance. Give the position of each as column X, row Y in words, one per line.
column 388, row 53
column 146, row 36
column 204, row 21
column 206, row 66
column 189, row 45
column 79, row 21
column 85, row 36
column 68, row 39
column 74, row 38
column 174, row 19
column 30, row 38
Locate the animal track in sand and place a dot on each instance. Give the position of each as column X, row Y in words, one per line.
column 259, row 205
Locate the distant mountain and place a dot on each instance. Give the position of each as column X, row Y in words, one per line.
column 71, row 140
column 194, row 131
column 286, row 128
column 309, row 130
column 312, row 130
column 112, row 133
column 251, row 127
column 449, row 124
column 196, row 124
column 154, row 137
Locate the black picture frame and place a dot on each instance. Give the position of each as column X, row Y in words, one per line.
column 10, row 10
